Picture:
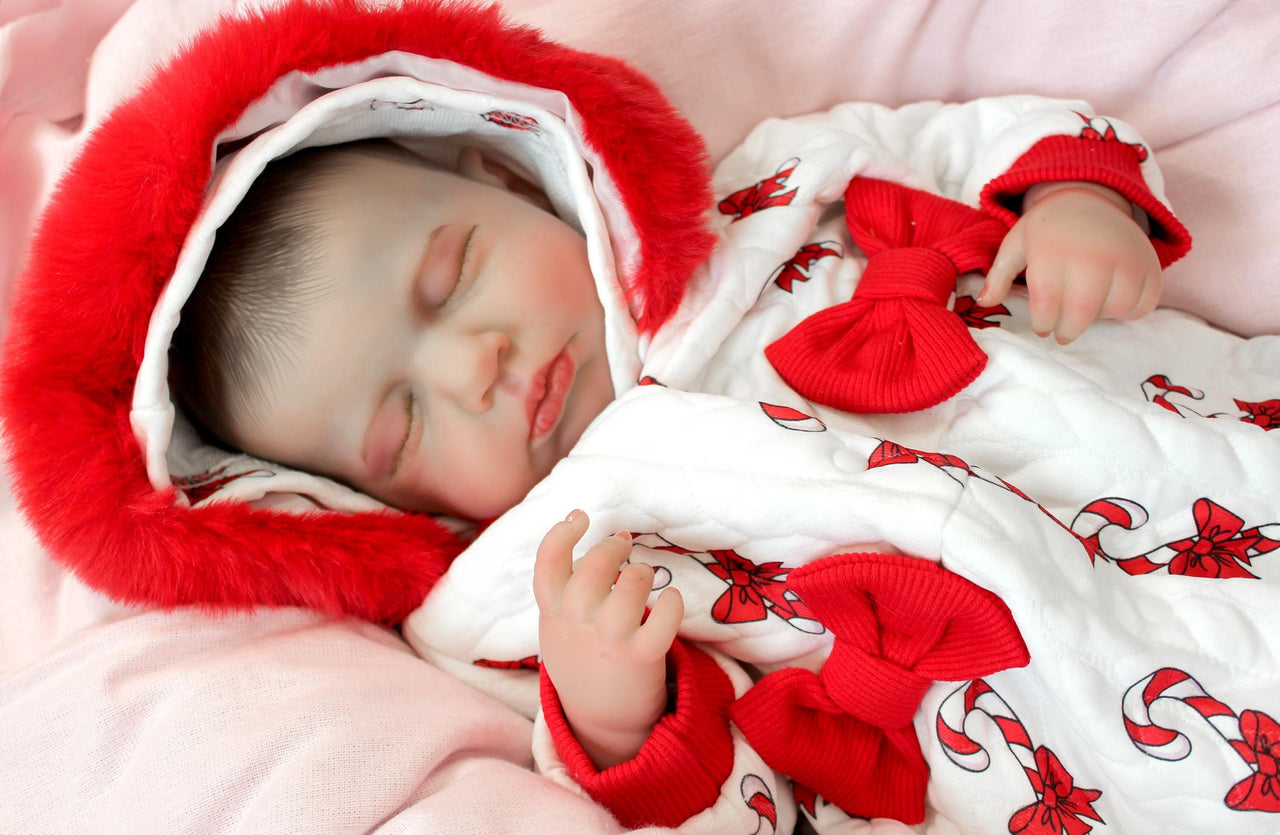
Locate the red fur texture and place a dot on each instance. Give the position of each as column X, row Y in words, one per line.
column 109, row 241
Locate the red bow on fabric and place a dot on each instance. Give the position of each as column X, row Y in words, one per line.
column 899, row 623
column 1060, row 803
column 1220, row 547
column 894, row 347
column 1260, row 749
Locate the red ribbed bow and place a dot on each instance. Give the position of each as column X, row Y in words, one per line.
column 894, row 347
column 899, row 623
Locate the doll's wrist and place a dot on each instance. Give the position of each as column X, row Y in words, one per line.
column 1041, row 191
column 607, row 748
column 682, row 768
column 609, row 742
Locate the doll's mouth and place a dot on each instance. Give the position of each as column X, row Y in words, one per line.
column 547, row 394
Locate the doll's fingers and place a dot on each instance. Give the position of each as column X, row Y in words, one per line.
column 654, row 638
column 553, row 564
column 623, row 610
column 1010, row 260
column 1123, row 295
column 1083, row 294
column 1152, row 289
column 1145, row 266
column 594, row 575
column 1044, row 295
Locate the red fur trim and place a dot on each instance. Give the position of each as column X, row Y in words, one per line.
column 109, row 241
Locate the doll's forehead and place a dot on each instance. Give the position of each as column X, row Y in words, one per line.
column 386, row 185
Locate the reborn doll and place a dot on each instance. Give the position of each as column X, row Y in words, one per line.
column 748, row 414
column 435, row 338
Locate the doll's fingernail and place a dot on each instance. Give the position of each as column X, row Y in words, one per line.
column 623, row 535
column 573, row 514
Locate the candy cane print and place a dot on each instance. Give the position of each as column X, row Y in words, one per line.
column 1103, row 513
column 964, row 751
column 1268, row 537
column 1061, row 802
column 1157, row 387
column 1166, row 743
column 756, row 794
column 1219, row 546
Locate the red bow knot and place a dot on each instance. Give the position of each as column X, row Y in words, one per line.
column 1261, row 749
column 909, row 272
column 894, row 347
column 1220, row 547
column 899, row 623
column 1060, row 803
column 873, row 689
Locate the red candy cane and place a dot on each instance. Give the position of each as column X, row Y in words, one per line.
column 1103, row 513
column 1253, row 735
column 1218, row 534
column 1061, row 803
column 964, row 751
column 1166, row 743
column 1157, row 387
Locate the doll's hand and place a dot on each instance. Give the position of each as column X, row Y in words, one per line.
column 608, row 667
column 1084, row 257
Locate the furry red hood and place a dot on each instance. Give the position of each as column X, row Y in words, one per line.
column 109, row 476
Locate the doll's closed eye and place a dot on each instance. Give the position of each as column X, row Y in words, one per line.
column 462, row 265
column 408, row 433
column 388, row 436
column 444, row 269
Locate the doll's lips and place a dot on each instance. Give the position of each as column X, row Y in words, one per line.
column 547, row 394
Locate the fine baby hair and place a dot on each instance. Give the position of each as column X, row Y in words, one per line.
column 267, row 263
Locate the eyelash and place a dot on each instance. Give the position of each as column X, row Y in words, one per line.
column 462, row 267
column 404, row 444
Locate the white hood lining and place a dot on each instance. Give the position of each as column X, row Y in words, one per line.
column 384, row 96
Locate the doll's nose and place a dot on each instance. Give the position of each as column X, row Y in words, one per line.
column 475, row 369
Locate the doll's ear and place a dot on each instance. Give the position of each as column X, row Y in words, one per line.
column 474, row 165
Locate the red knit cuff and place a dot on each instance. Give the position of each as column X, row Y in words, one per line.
column 1110, row 163
column 684, row 762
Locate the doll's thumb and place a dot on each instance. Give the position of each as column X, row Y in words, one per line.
column 1010, row 260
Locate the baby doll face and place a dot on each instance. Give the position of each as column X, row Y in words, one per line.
column 453, row 353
